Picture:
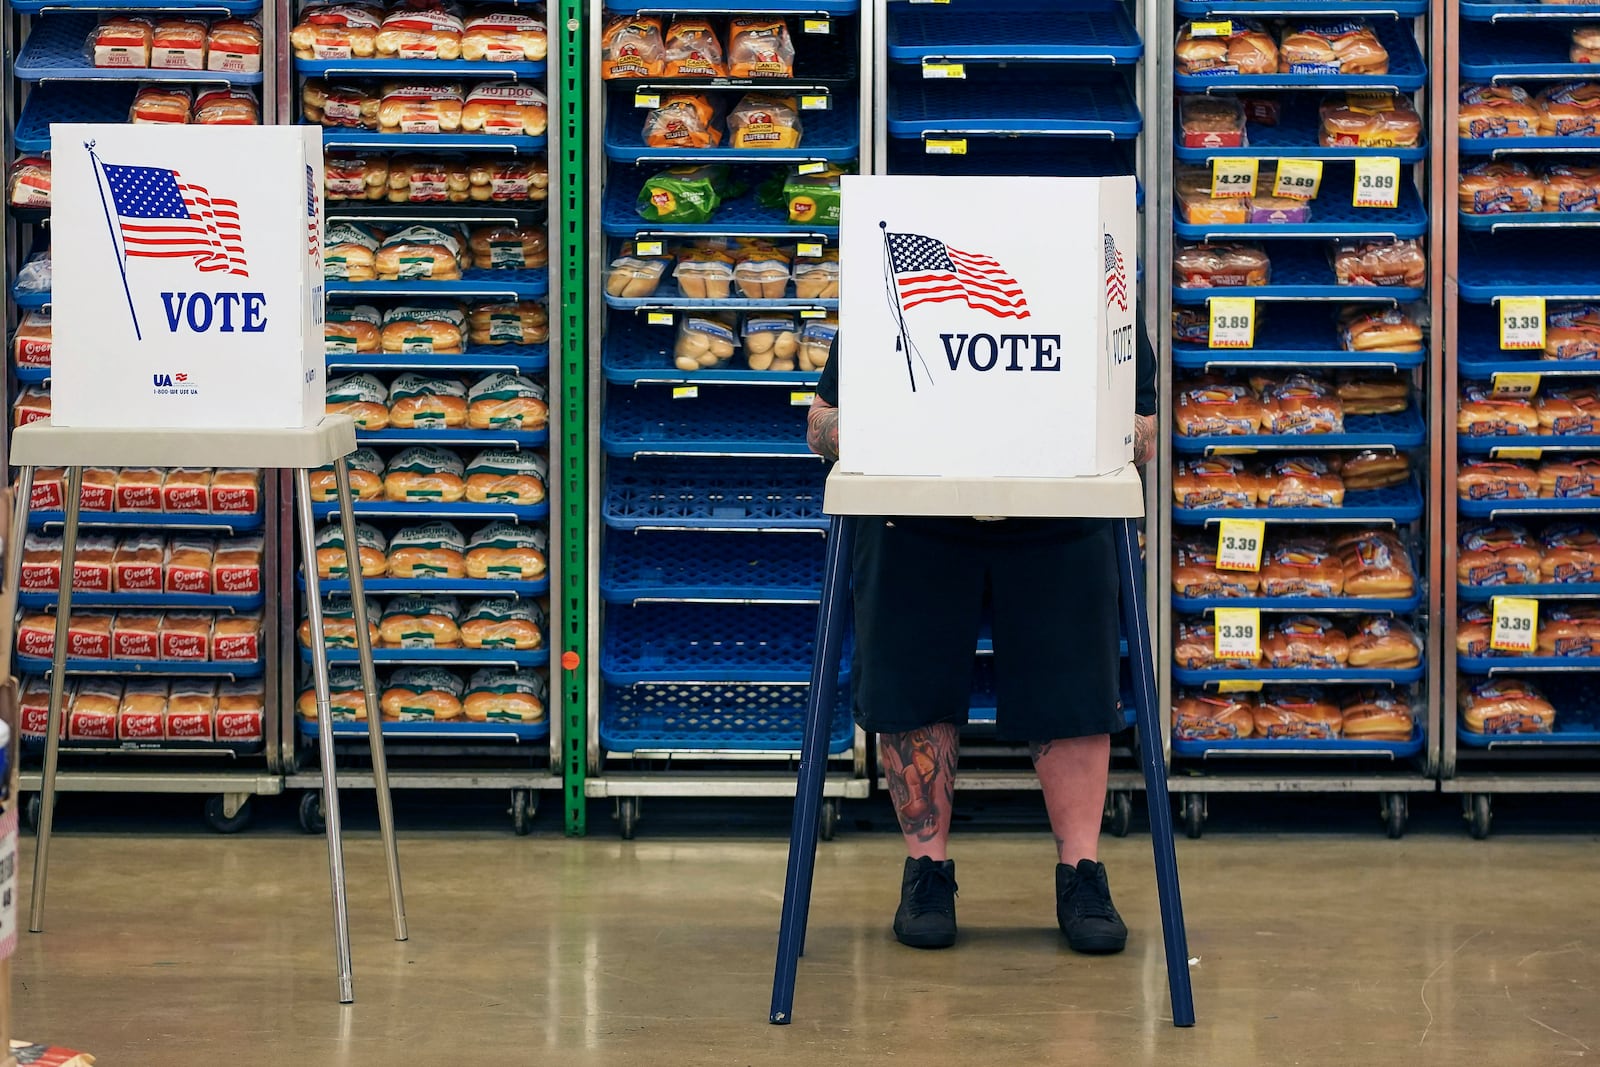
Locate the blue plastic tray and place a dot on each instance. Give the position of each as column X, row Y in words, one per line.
column 1479, row 355
column 1017, row 156
column 1012, row 103
column 1502, row 53
column 1514, row 663
column 345, row 137
column 693, row 718
column 56, row 49
column 667, row 297
column 634, row 352
column 475, row 281
column 464, row 587
column 722, row 421
column 710, row 643
column 1399, row 504
column 1469, row 445
column 29, row 300
column 1266, row 9
column 462, row 511
column 740, row 215
column 1090, row 33
column 414, row 68
column 833, row 134
column 1556, row 265
column 1501, row 146
column 1582, row 733
column 1529, row 220
column 828, row 7
column 1333, row 605
column 32, row 375
column 440, row 657
column 69, row 102
column 1332, row 215
column 1474, row 11
column 182, row 667
column 1300, row 747
column 1298, row 676
column 1297, row 134
column 1544, row 590
column 1300, row 271
column 175, row 601
column 456, row 731
column 708, row 494
column 39, row 520
column 1292, row 337
column 456, row 438
column 232, row 7
column 1534, row 508
column 1407, row 72
column 710, row 566
column 519, row 359
column 1403, row 430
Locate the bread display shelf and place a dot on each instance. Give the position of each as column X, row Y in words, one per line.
column 1264, row 9
column 30, row 299
column 244, row 522
column 1480, row 12
column 454, row 731
column 822, row 69
column 1542, row 591
column 1501, row 146
column 1550, row 265
column 196, row 601
column 1398, row 431
column 185, row 7
column 708, row 494
column 1479, row 356
column 727, row 421
column 1092, row 33
column 64, row 101
column 667, row 298
column 1530, row 220
column 519, row 359
column 763, row 718
column 522, row 284
column 173, row 668
column 1297, row 676
column 1299, row 746
column 1013, row 103
column 711, row 643
column 460, row 511
column 342, row 137
column 1332, row 216
column 1398, row 505
column 457, row 438
column 55, row 50
column 1511, row 663
column 832, row 135
column 741, row 215
column 32, row 375
column 1407, row 71
column 1329, row 605
column 1496, row 53
column 710, row 568
column 1285, row 341
column 418, row 68
column 734, row 7
column 34, row 745
column 638, row 354
column 476, row 587
column 440, row 657
column 1583, row 734
column 1533, row 507
column 1296, row 136
column 1494, row 444
column 1016, row 156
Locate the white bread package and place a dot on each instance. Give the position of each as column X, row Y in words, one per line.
column 188, row 286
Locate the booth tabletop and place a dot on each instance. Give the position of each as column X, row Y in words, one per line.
column 1107, row 496
column 41, row 444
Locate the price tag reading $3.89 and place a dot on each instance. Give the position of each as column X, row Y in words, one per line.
column 1516, row 624
column 1377, row 182
column 1233, row 322
column 1239, row 544
column 1298, row 179
column 1522, row 322
column 1233, row 178
column 1238, row 633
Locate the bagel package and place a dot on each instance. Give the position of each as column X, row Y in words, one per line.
column 422, row 694
column 432, row 550
column 497, row 695
column 334, row 562
column 421, row 622
column 425, row 474
column 504, row 623
column 508, row 552
column 504, row 477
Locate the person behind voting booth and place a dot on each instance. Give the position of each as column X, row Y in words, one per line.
column 1052, row 588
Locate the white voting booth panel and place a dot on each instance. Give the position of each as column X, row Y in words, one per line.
column 989, row 326
column 187, row 283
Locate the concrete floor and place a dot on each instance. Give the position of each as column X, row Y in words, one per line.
column 185, row 949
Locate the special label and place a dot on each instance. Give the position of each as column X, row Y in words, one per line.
column 1239, row 543
column 1238, row 633
column 1516, row 624
column 1233, row 322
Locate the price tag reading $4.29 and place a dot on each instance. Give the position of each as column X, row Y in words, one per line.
column 1234, row 178
column 1238, row 633
column 1239, row 544
column 1516, row 624
column 1377, row 182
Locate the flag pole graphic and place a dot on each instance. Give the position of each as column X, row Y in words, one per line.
column 903, row 342
column 122, row 260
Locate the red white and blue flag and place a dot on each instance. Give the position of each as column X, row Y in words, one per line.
column 161, row 216
column 1116, row 276
column 928, row 271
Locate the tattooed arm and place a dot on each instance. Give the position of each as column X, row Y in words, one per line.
column 822, row 429
column 1144, row 439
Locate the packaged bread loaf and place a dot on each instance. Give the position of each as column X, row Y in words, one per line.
column 1244, row 47
column 180, row 44
column 1570, row 109
column 138, row 489
column 704, row 272
column 34, row 708
column 1347, row 47
column 339, row 623
column 1571, row 187
column 503, row 247
column 1378, row 713
column 122, row 41
column 99, row 489
column 141, row 716
column 421, row 622
column 1500, row 187
column 423, row 402
column 759, row 47
column 188, row 564
column 235, row 491
column 1268, row 208
column 347, row 699
column 1568, row 630
column 1370, row 120
column 509, row 109
column 1384, row 643
column 161, row 105
column 498, row 695
column 421, row 108
column 1498, row 111
column 241, row 711
column 1211, row 122
column 1310, row 642
column 689, row 194
column 1301, row 567
column 338, row 105
column 32, row 405
column 1380, row 263
column 351, row 329
column 1473, row 632
column 36, row 635
column 1378, row 330
column 432, row 550
column 508, row 180
column 31, row 344
column 92, row 714
column 1194, row 203
column 1568, row 410
column 1194, row 646
column 1496, row 479
column 524, row 322
column 336, row 31
column 186, row 635
column 506, row 551
column 236, row 566
column 1195, row 573
column 136, row 635
column 771, row 341
column 419, row 33
column 1214, row 482
column 503, row 477
column 422, row 694
column 634, row 276
column 506, row 401
column 1219, row 265
column 765, row 120
column 762, row 274
column 234, row 46
column 1373, row 394
column 504, row 37
column 817, row 278
column 692, row 50
column 1572, row 478
column 428, row 180
column 1497, row 554
column 632, row 47
column 684, row 120
column 423, row 329
column 503, row 623
column 1297, row 712
column 351, row 251
column 1483, row 413
column 1585, row 44
column 1571, row 553
column 226, row 107
column 366, row 478
column 1212, row 406
column 1375, row 563
column 1300, row 482
column 138, row 564
column 817, row 338
column 236, row 638
column 425, row 474
column 1572, row 331
column 433, row 252
column 361, row 396
column 1505, row 706
column 1199, row 715
column 89, row 635
column 371, row 549
column 1301, row 405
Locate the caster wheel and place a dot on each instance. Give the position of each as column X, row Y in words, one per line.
column 1479, row 817
column 627, row 817
column 34, row 811
column 1395, row 808
column 524, row 806
column 1194, row 814
column 219, row 820
column 313, row 817
column 1121, row 814
column 830, row 818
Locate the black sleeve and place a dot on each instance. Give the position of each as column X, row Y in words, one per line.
column 1145, row 396
column 828, row 386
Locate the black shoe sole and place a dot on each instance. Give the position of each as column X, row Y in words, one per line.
column 1098, row 945
column 925, row 940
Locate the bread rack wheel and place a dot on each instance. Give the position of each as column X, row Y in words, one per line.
column 1119, row 812
column 627, row 816
column 1194, row 814
column 217, row 816
column 524, row 806
column 313, row 817
column 1395, row 809
column 34, row 810
column 830, row 818
column 1479, row 816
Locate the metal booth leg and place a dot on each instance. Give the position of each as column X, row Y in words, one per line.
column 369, row 684
column 1140, row 659
column 330, row 780
column 58, row 685
column 803, row 831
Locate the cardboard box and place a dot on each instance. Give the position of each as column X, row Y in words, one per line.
column 989, row 325
column 219, row 325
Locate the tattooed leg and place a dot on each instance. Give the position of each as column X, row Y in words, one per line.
column 921, row 768
column 1072, row 772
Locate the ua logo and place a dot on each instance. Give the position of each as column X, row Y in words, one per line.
column 161, row 379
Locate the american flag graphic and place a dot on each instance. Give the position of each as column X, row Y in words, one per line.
column 161, row 216
column 1116, row 276
column 313, row 224
column 928, row 271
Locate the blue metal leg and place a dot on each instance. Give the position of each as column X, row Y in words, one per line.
column 1141, row 660
column 803, row 831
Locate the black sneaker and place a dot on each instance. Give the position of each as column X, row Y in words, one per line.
column 1085, row 911
column 927, row 915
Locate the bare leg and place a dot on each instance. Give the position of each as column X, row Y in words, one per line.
column 921, row 768
column 1072, row 772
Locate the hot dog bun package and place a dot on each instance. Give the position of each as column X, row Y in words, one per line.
column 498, row 695
column 422, row 694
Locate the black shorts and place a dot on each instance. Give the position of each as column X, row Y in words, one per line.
column 920, row 587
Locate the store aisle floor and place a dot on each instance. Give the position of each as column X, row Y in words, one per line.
column 179, row 951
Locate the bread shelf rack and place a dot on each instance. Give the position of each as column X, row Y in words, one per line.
column 1395, row 506
column 1296, row 136
column 1333, row 605
column 441, row 657
column 54, row 51
column 641, row 568
column 516, row 359
column 402, row 68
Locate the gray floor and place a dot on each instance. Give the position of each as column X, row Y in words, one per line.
column 187, row 949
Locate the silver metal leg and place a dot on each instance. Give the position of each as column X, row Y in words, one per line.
column 369, row 684
column 330, row 781
column 58, row 685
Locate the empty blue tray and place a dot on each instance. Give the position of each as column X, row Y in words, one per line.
column 711, row 494
column 1501, row 53
column 1012, row 103
column 1533, row 508
column 1332, row 605
column 70, row 102
column 720, row 420
column 474, row 281
column 1088, row 33
column 1544, row 590
column 1558, row 265
column 710, row 567
column 699, row 718
column 709, row 643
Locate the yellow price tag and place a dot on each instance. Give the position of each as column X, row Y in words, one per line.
column 1298, row 179
column 1516, row 624
column 818, row 26
column 801, row 400
column 1238, row 633
column 1231, row 451
column 943, row 70
column 811, row 168
column 659, row 318
column 1231, row 178
column 813, row 313
column 1522, row 323
column 940, row 146
column 1516, row 385
column 1237, row 686
column 814, row 102
column 646, row 99
column 808, row 249
column 648, row 248
column 1518, row 453
column 685, row 392
column 1233, row 322
column 1223, row 28
column 1377, row 182
column 1239, row 543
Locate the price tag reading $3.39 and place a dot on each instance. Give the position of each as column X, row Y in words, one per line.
column 1238, row 633
column 1522, row 322
column 1516, row 624
column 1233, row 322
column 1233, row 178
column 1239, row 544
column 1298, row 179
column 1377, row 182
